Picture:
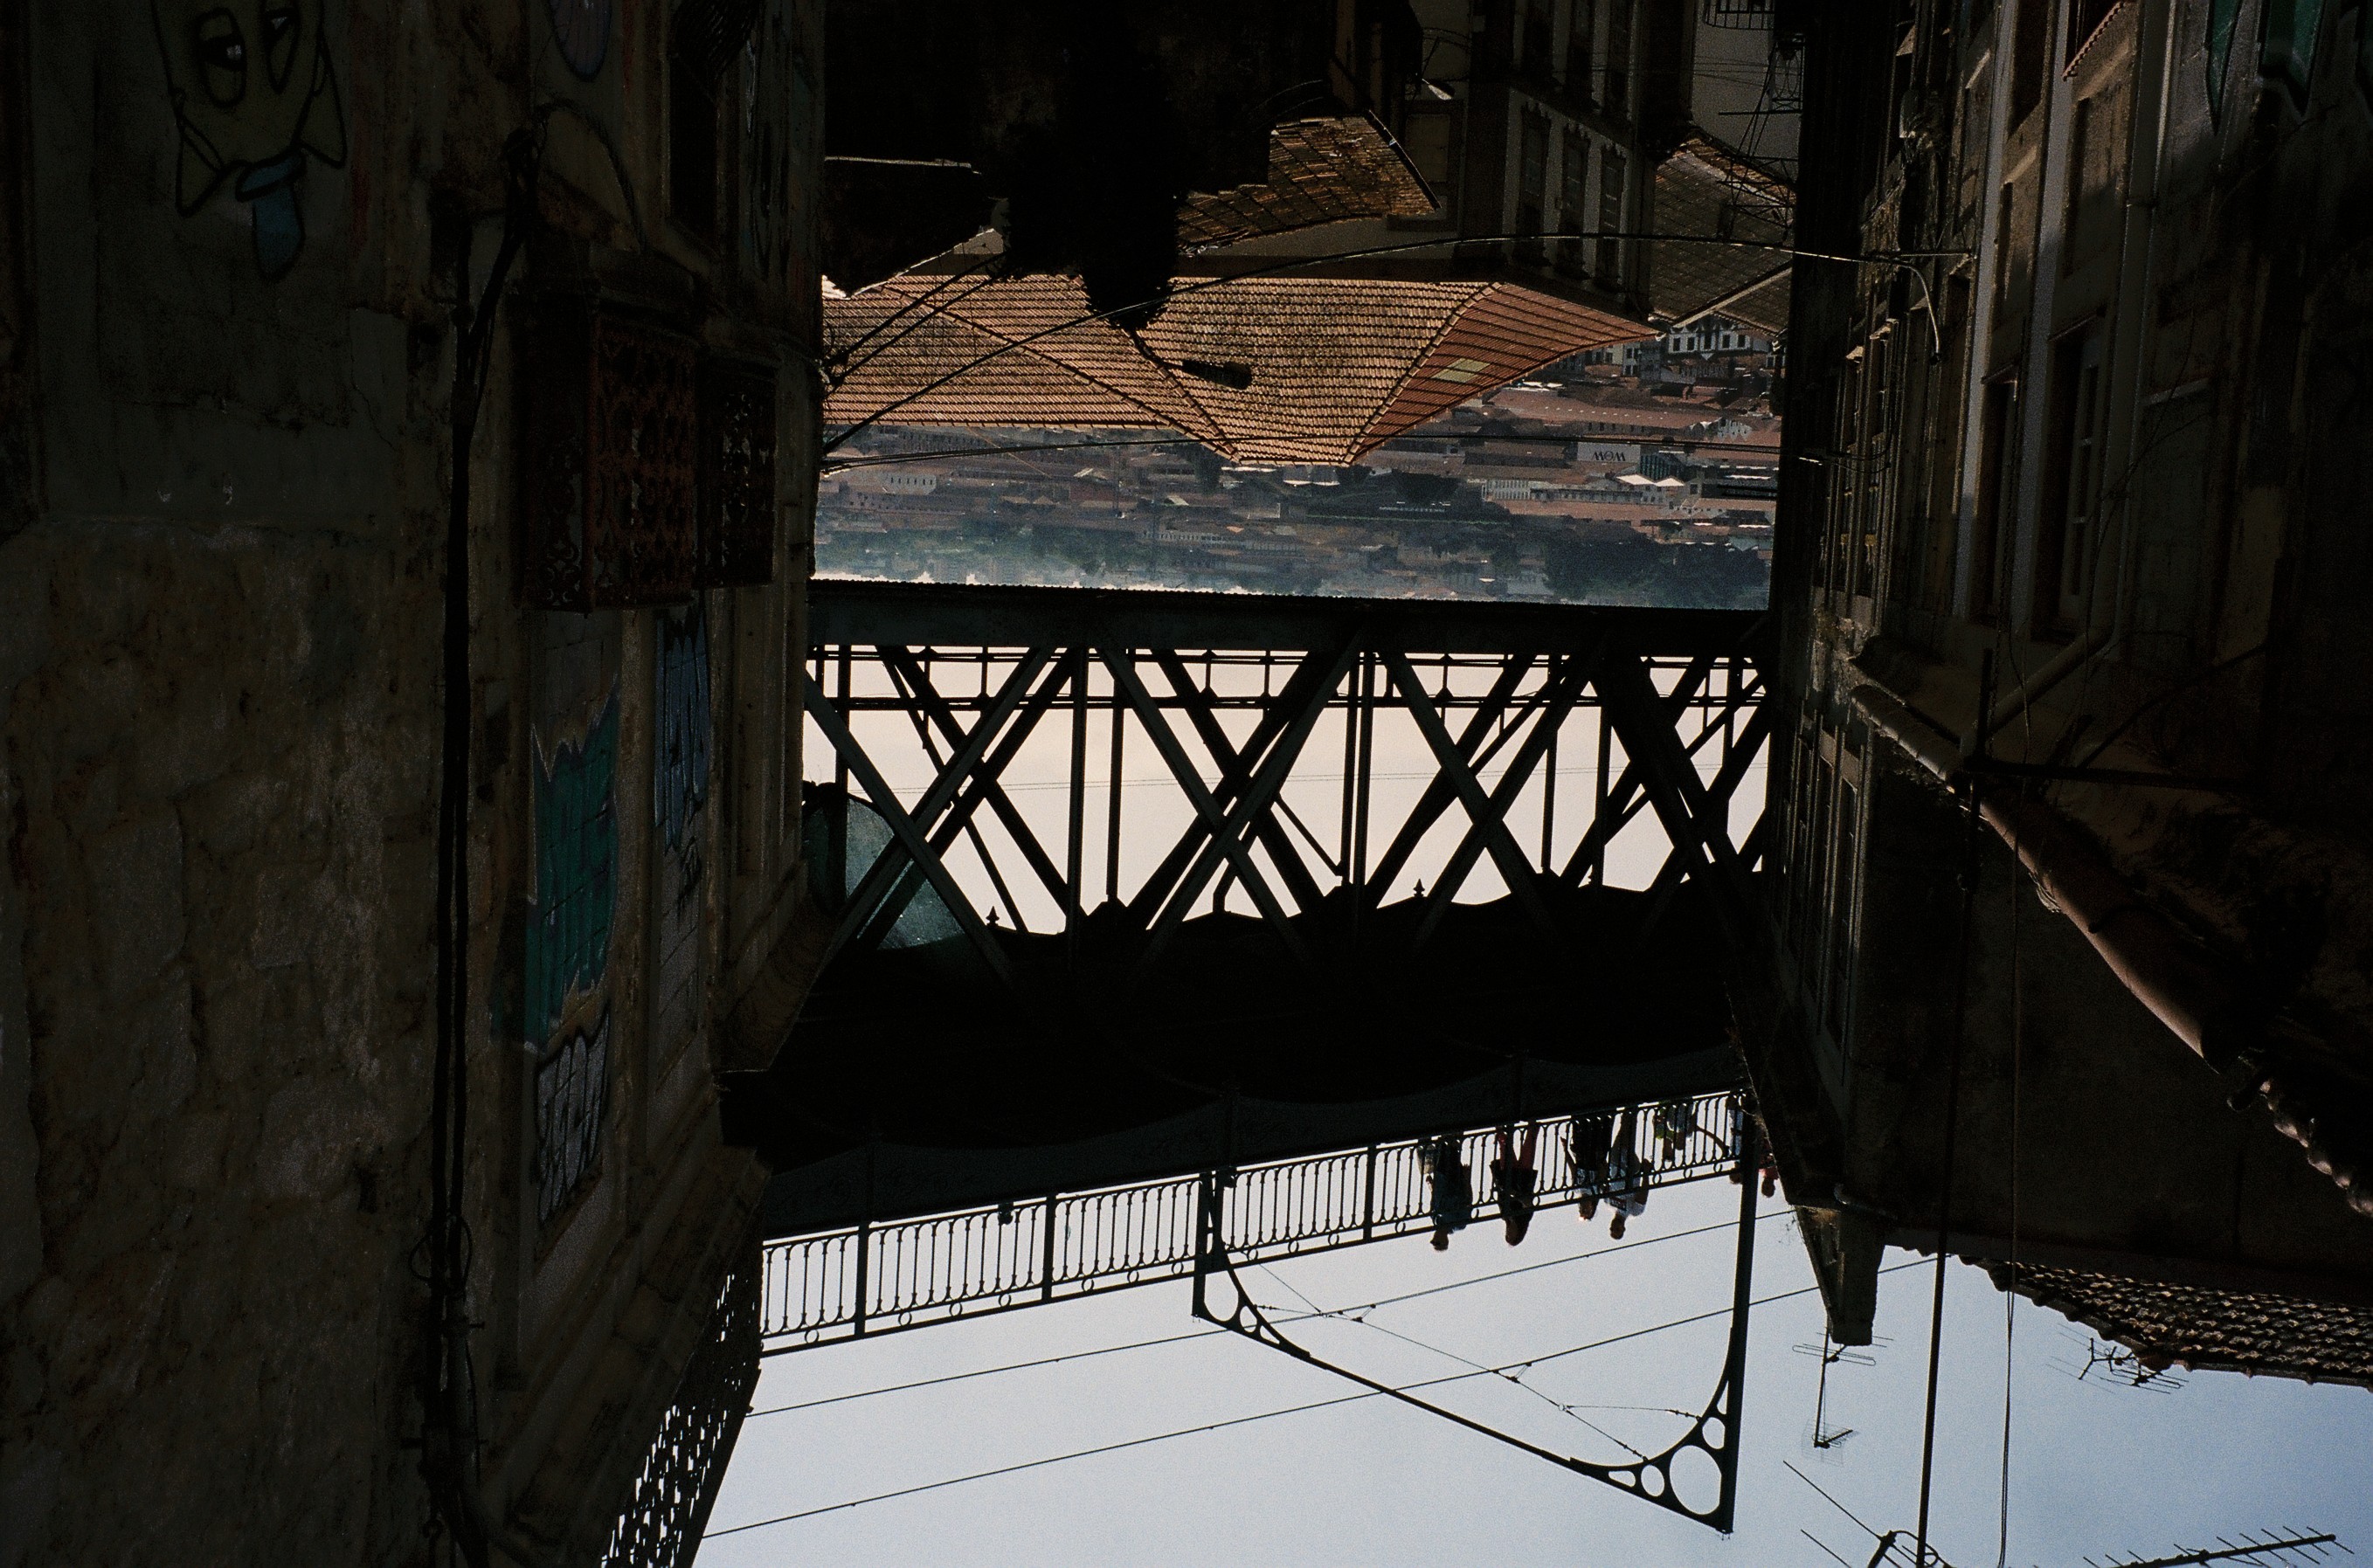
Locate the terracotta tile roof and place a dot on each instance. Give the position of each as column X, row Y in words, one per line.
column 2253, row 1331
column 1338, row 365
column 1705, row 189
column 1765, row 307
column 1319, row 171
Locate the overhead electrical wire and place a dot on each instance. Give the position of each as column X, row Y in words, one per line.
column 984, row 1372
column 1206, row 1333
column 1258, row 1416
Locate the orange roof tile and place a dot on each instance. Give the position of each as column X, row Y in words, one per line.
column 1338, row 365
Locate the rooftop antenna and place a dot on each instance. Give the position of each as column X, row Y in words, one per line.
column 2254, row 1549
column 2114, row 1366
column 1830, row 1352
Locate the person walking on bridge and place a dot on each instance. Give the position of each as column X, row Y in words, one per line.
column 1513, row 1182
column 1453, row 1190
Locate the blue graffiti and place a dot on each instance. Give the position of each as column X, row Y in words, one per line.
column 576, row 854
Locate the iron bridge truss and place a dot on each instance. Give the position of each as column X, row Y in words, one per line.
column 1253, row 704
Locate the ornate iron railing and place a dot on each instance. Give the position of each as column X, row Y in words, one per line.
column 873, row 1278
column 668, row 1507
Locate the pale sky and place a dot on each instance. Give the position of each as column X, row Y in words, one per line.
column 2095, row 1469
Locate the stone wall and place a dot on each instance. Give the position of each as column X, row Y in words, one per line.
column 220, row 712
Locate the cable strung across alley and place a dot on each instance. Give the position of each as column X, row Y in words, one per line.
column 1347, row 1312
column 1265, row 1415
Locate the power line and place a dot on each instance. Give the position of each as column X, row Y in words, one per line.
column 1553, row 1263
column 877, row 461
column 984, row 1371
column 1207, row 1333
column 1258, row 1416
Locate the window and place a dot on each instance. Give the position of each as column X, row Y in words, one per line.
column 1532, row 185
column 1845, row 463
column 2030, row 37
column 693, row 115
column 1582, row 23
column 1573, row 173
column 1997, row 470
column 1836, row 1013
column 1619, row 58
column 2072, row 481
column 1536, row 61
column 1610, row 217
column 2084, row 19
column 2004, row 213
column 2098, row 134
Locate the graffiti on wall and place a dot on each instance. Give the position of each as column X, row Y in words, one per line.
column 254, row 99
column 680, row 784
column 572, row 1101
column 681, row 776
column 567, row 954
column 576, row 856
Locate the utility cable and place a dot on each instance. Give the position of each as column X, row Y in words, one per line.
column 1833, row 1502
column 1571, row 1411
column 984, row 1371
column 841, row 364
column 1952, row 1130
column 2010, row 1297
column 1246, row 1421
column 447, row 1385
column 1206, row 1333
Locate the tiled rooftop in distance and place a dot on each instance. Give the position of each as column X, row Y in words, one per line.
column 1338, row 365
column 1706, row 189
column 1321, row 171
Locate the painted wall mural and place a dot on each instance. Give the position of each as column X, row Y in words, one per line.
column 572, row 1104
column 575, row 857
column 680, row 786
column 254, row 99
column 567, row 954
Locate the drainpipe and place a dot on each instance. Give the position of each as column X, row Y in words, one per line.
column 2063, row 664
column 2145, row 158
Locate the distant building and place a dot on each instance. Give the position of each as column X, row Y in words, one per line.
column 1715, row 335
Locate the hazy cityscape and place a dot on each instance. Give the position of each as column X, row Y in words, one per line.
column 1641, row 475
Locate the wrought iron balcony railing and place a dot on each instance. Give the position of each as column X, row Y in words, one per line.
column 869, row 1279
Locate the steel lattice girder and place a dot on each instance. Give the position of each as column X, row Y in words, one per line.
column 1347, row 654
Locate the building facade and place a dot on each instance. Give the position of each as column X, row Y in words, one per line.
column 296, row 295
column 2073, row 893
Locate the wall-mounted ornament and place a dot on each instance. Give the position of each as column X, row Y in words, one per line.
column 611, row 425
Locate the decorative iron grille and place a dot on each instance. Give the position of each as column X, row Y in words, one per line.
column 612, row 451
column 668, row 1507
column 737, row 473
column 905, row 1273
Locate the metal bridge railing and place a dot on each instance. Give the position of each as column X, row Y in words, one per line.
column 873, row 1278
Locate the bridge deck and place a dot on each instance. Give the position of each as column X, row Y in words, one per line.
column 854, row 1281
